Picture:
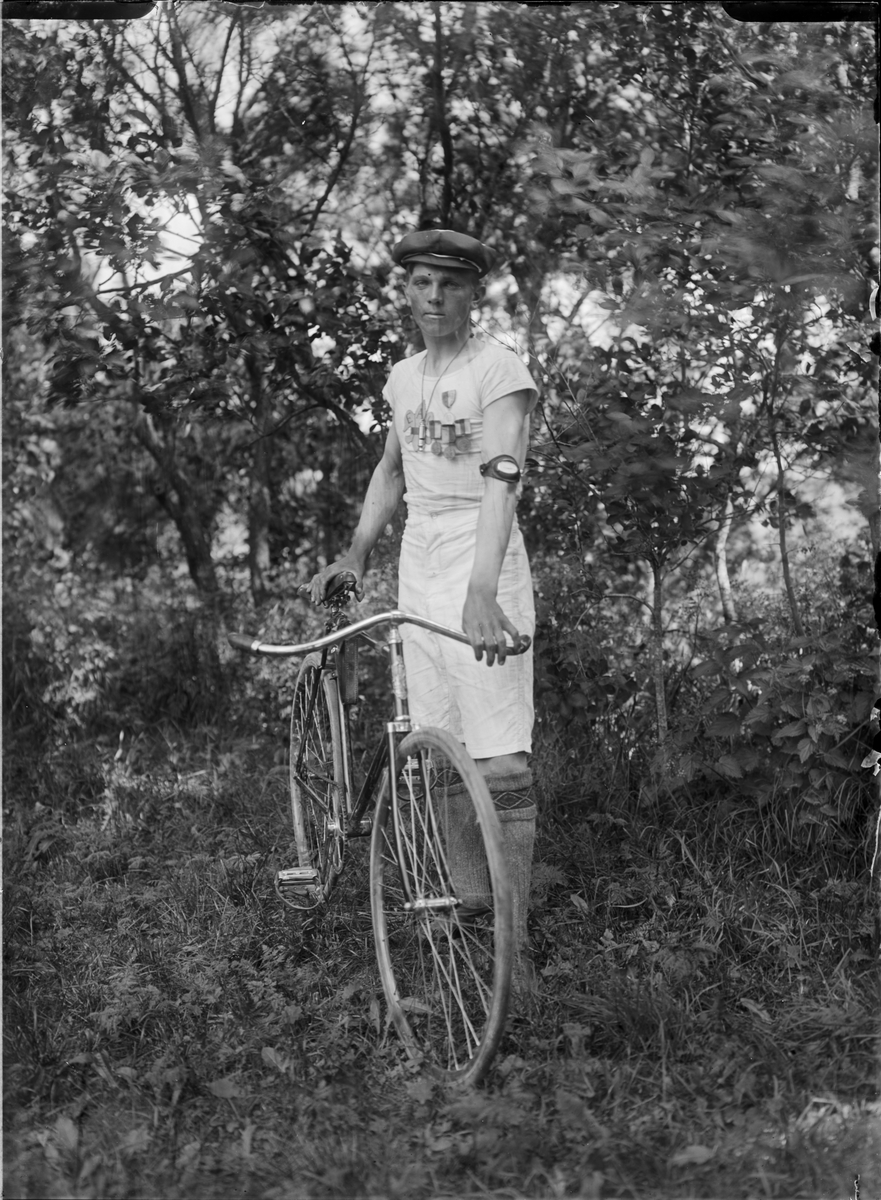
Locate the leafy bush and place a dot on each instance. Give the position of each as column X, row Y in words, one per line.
column 766, row 726
column 26, row 671
column 787, row 725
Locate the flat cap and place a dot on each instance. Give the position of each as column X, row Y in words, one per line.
column 444, row 248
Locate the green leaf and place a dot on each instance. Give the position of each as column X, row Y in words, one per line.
column 413, row 1005
column 66, row 1134
column 725, row 725
column 273, row 1058
column 694, row 1155
column 721, row 695
column 835, row 759
column 420, row 1090
column 137, row 1140
column 806, row 748
column 710, row 667
column 571, row 1109
column 225, row 1089
column 755, row 1009
column 730, row 767
column 793, row 729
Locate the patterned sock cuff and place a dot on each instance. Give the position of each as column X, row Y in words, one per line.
column 510, row 793
column 513, row 781
column 526, row 812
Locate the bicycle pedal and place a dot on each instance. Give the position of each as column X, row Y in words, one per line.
column 362, row 829
column 296, row 879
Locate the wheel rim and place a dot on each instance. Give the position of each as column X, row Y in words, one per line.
column 444, row 980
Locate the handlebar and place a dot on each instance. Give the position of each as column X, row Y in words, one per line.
column 243, row 641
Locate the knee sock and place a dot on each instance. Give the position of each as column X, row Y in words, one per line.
column 516, row 812
column 467, row 859
column 464, row 843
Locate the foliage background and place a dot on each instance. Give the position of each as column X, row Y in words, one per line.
column 199, row 313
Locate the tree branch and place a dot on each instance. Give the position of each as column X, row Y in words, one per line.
column 281, row 424
column 624, row 596
column 212, row 104
column 116, row 64
column 440, row 116
column 176, row 58
column 358, row 104
column 137, row 287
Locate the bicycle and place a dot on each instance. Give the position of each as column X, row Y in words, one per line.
column 445, row 957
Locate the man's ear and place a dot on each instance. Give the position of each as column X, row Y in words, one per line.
column 478, row 293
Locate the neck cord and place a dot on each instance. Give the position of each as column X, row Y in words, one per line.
column 439, row 378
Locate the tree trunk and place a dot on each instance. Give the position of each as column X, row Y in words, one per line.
column 784, row 562
column 797, row 624
column 440, row 118
column 720, row 557
column 529, row 285
column 196, row 542
column 874, row 515
column 657, row 650
column 260, row 494
column 177, row 495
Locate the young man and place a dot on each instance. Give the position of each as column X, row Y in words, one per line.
column 455, row 449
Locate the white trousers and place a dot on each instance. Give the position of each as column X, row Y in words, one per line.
column 490, row 709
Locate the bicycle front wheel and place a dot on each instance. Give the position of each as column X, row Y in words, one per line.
column 445, row 952
column 317, row 784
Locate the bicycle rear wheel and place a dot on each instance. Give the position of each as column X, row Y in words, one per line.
column 445, row 967
column 317, row 785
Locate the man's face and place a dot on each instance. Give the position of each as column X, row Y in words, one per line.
column 441, row 298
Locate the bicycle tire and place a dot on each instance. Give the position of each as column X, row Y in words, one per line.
column 446, row 979
column 317, row 789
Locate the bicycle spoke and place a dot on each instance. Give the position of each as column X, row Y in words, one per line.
column 317, row 796
column 446, row 1003
column 450, row 997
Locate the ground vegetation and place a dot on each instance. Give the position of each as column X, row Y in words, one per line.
column 199, row 313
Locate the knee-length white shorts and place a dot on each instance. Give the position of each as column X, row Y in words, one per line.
column 490, row 709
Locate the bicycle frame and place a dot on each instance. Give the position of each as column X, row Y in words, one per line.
column 384, row 753
column 355, row 820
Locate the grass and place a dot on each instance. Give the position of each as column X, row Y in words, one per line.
column 707, row 1025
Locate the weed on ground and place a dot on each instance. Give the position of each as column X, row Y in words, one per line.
column 706, row 1024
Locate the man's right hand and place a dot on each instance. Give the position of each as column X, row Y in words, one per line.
column 317, row 589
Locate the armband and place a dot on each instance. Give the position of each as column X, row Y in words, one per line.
column 503, row 467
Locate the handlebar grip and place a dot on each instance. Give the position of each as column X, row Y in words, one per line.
column 242, row 641
column 339, row 583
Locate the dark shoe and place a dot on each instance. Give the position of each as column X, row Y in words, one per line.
column 468, row 914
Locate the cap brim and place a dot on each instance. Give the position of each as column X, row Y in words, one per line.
column 441, row 260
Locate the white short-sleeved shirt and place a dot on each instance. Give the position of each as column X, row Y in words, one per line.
column 439, row 422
